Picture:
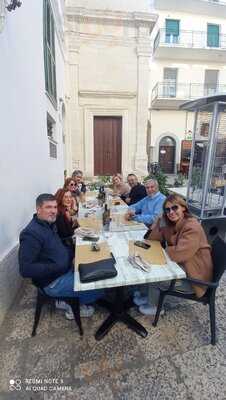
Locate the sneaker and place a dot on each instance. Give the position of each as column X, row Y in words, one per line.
column 85, row 312
column 61, row 305
column 146, row 309
column 140, row 300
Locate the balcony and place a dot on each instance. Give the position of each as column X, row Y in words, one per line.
column 190, row 45
column 170, row 95
column 215, row 8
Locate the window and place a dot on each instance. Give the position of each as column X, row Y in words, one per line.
column 169, row 82
column 213, row 35
column 51, row 133
column 204, row 129
column 211, row 82
column 172, row 30
column 49, row 51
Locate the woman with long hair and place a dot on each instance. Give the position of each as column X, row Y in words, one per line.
column 119, row 187
column 66, row 221
column 186, row 244
column 71, row 186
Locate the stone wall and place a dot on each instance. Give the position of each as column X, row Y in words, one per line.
column 10, row 281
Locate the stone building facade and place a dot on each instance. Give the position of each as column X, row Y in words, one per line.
column 107, row 73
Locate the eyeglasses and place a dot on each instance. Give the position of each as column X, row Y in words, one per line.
column 173, row 208
column 72, row 184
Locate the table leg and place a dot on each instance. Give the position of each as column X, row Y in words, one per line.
column 118, row 313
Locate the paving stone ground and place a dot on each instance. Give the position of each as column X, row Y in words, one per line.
column 175, row 361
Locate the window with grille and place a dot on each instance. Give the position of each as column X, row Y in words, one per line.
column 49, row 51
column 51, row 133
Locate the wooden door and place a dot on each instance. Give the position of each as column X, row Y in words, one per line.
column 107, row 145
column 167, row 155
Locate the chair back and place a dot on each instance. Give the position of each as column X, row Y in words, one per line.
column 219, row 258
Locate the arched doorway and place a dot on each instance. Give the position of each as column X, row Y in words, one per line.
column 167, row 147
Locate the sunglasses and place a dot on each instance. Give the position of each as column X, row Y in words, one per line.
column 173, row 208
column 72, row 184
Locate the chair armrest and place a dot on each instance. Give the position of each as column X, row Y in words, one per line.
column 202, row 283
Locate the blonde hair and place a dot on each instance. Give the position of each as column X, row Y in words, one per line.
column 117, row 176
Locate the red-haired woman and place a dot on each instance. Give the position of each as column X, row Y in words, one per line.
column 71, row 185
column 66, row 221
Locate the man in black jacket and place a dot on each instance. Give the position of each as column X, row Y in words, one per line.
column 137, row 192
column 44, row 258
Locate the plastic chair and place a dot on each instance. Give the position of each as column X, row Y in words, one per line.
column 43, row 298
column 219, row 266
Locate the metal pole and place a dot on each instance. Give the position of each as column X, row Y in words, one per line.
column 192, row 156
column 212, row 134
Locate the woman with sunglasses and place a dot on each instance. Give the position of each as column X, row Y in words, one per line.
column 186, row 244
column 71, row 186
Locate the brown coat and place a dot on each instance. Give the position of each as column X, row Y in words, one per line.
column 187, row 246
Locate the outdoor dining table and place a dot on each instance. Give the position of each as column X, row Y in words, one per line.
column 118, row 242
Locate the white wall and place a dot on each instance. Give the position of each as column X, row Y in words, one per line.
column 121, row 5
column 188, row 72
column 25, row 167
column 192, row 22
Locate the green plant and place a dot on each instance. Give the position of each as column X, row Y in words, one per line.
column 101, row 180
column 161, row 178
column 179, row 180
column 105, row 179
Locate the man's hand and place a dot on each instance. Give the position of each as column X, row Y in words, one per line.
column 129, row 215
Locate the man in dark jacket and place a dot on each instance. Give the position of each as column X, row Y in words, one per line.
column 44, row 258
column 137, row 192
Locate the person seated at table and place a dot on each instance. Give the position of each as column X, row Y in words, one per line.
column 66, row 220
column 137, row 191
column 80, row 187
column 70, row 185
column 119, row 187
column 47, row 261
column 186, row 244
column 148, row 209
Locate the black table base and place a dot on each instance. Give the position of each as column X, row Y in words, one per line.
column 118, row 312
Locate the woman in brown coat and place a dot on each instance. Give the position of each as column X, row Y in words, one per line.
column 186, row 242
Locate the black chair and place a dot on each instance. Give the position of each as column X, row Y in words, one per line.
column 219, row 266
column 43, row 298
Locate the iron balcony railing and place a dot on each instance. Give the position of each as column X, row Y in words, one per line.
column 184, row 91
column 190, row 39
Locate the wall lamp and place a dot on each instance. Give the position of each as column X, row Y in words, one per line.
column 13, row 5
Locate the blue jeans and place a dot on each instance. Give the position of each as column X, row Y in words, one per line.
column 64, row 287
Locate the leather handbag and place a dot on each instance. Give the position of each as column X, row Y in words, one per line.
column 98, row 270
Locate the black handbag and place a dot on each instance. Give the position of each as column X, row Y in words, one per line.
column 98, row 270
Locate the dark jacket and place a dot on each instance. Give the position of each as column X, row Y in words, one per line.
column 65, row 230
column 137, row 193
column 42, row 255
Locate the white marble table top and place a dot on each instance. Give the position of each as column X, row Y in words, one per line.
column 128, row 275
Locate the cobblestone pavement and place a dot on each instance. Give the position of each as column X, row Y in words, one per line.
column 175, row 361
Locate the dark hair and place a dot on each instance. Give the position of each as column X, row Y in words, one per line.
column 176, row 199
column 77, row 172
column 131, row 175
column 44, row 197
